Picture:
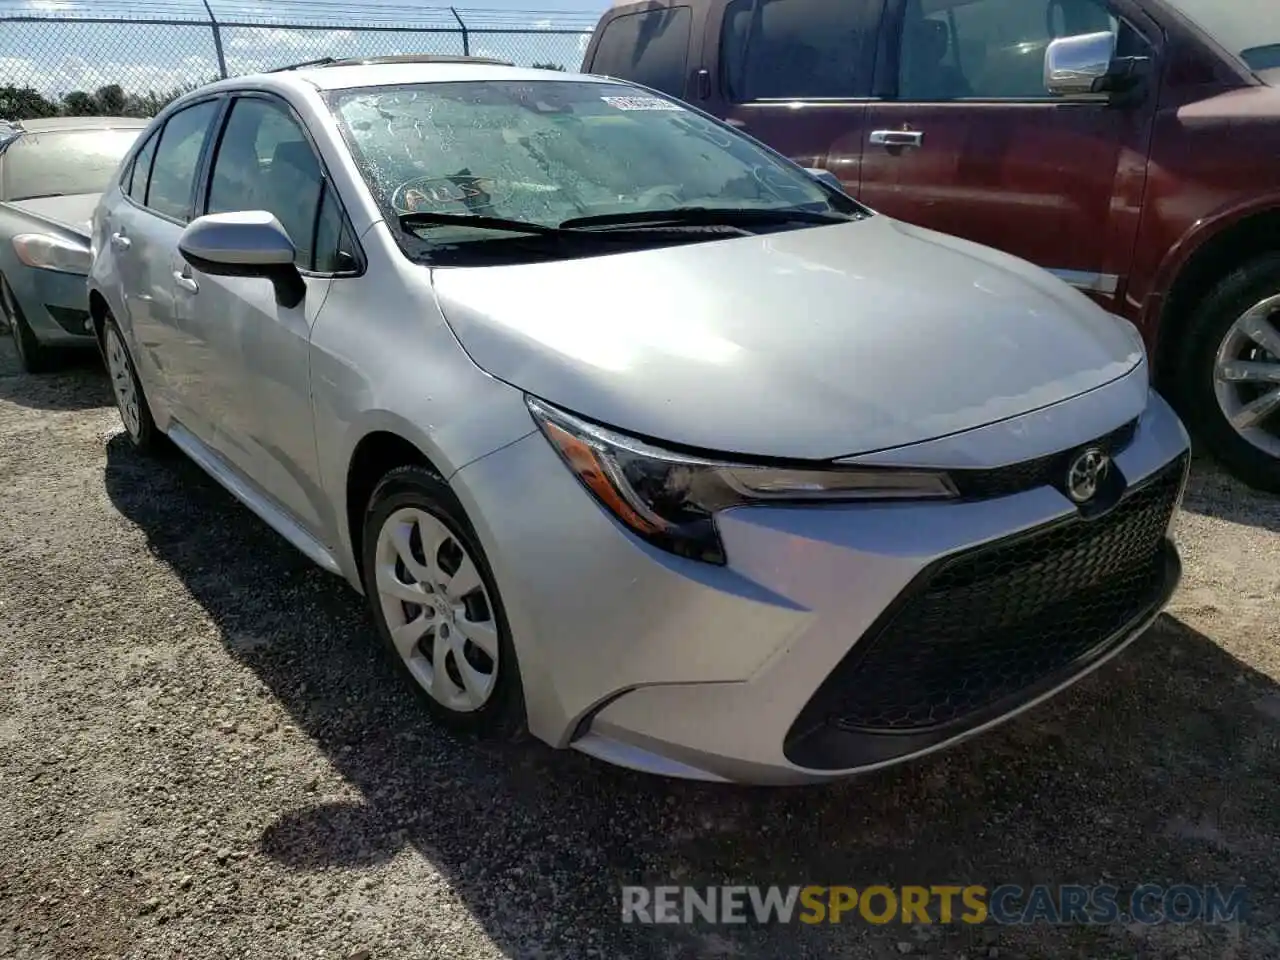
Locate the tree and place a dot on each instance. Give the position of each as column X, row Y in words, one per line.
column 77, row 103
column 153, row 101
column 25, row 103
column 110, row 100
column 551, row 66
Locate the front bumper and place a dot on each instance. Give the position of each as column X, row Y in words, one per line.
column 773, row 670
column 54, row 305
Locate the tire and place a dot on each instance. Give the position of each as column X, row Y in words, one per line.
column 410, row 506
column 1251, row 454
column 131, row 401
column 34, row 356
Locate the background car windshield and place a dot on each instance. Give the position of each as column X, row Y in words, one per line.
column 548, row 151
column 1249, row 28
column 64, row 163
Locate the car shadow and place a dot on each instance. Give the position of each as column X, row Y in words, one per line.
column 78, row 383
column 1212, row 492
column 1162, row 768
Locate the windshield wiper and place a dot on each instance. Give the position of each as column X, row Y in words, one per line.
column 705, row 216
column 410, row 220
column 641, row 221
column 572, row 232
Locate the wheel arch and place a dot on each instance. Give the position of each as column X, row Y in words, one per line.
column 99, row 310
column 376, row 454
column 1199, row 264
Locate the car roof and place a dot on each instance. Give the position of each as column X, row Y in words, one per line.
column 642, row 5
column 395, row 74
column 48, row 124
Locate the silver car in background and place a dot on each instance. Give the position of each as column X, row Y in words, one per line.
column 634, row 434
column 52, row 172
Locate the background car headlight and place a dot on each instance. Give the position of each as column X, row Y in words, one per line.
column 52, row 253
column 670, row 498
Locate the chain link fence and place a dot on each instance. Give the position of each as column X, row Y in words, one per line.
column 131, row 59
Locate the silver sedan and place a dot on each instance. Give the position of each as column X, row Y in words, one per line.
column 636, row 435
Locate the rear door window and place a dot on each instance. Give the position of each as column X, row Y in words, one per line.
column 173, row 175
column 794, row 49
column 651, row 48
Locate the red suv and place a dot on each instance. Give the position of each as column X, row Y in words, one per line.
column 1132, row 147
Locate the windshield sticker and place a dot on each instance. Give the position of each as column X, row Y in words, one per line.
column 434, row 193
column 641, row 103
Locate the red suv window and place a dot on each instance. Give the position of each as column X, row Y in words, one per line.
column 793, row 49
column 651, row 48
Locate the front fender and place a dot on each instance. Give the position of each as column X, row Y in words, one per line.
column 447, row 447
column 1193, row 241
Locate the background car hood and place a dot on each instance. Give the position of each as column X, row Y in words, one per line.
column 74, row 212
column 813, row 343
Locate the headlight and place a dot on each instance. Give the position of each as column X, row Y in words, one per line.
column 52, row 253
column 670, row 498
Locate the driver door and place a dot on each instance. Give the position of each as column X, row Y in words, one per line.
column 255, row 353
column 969, row 142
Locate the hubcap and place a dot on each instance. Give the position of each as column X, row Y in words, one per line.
column 1247, row 376
column 122, row 383
column 437, row 608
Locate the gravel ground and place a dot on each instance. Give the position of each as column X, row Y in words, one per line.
column 201, row 756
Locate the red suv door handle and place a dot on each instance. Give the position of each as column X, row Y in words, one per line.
column 897, row 138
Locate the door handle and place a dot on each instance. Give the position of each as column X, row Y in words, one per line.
column 185, row 281
column 120, row 242
column 897, row 138
column 704, row 83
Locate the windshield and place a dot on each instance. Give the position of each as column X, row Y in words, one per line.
column 550, row 151
column 64, row 163
column 1248, row 28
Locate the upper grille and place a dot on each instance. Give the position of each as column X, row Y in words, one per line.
column 1030, row 474
column 982, row 627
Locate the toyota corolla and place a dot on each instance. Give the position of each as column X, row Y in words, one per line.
column 636, row 435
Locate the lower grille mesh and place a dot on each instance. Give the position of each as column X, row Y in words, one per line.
column 993, row 622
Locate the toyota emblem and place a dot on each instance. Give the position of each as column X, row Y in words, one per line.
column 1086, row 475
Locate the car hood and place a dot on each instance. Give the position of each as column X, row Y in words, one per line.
column 811, row 344
column 74, row 212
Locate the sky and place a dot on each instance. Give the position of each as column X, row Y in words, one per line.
column 56, row 57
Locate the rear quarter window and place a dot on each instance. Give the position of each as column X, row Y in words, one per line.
column 651, row 48
column 140, row 170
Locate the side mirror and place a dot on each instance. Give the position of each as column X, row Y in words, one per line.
column 1075, row 65
column 249, row 244
column 826, row 176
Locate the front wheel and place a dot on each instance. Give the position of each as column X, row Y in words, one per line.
column 436, row 605
column 1230, row 373
column 34, row 356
